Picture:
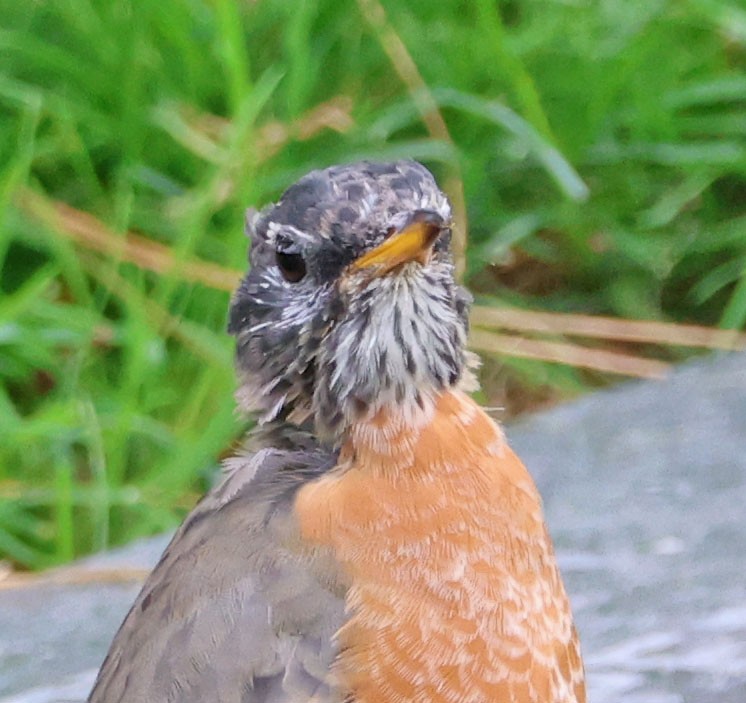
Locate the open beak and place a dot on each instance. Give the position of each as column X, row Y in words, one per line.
column 413, row 242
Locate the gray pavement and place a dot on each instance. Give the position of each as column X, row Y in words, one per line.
column 645, row 493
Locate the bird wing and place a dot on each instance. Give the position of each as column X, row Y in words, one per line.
column 237, row 610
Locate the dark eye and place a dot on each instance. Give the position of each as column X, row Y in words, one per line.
column 292, row 266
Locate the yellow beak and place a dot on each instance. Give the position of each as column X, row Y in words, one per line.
column 414, row 242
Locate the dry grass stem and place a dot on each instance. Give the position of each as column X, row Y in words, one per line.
column 563, row 353
column 396, row 50
column 335, row 114
column 209, row 129
column 91, row 233
column 72, row 576
column 599, row 327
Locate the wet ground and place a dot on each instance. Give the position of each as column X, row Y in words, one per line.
column 645, row 493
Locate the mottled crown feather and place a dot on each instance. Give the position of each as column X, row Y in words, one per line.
column 319, row 226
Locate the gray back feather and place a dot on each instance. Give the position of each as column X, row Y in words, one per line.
column 237, row 610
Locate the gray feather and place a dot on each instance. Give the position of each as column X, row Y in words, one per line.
column 236, row 611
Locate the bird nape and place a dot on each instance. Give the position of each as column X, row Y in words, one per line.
column 376, row 541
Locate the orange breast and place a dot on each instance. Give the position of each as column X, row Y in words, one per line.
column 455, row 594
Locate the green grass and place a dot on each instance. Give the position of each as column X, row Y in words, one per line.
column 601, row 147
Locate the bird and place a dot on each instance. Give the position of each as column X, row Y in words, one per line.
column 374, row 539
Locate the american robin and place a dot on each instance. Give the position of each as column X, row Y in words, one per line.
column 377, row 541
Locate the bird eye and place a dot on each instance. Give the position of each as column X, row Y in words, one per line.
column 292, row 266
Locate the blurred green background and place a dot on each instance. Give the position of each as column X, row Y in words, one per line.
column 599, row 146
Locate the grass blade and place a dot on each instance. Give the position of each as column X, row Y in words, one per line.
column 556, row 165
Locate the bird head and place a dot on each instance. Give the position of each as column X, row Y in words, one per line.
column 350, row 304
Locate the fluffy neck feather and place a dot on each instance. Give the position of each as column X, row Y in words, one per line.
column 400, row 341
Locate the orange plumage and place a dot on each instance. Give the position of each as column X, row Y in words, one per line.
column 454, row 589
